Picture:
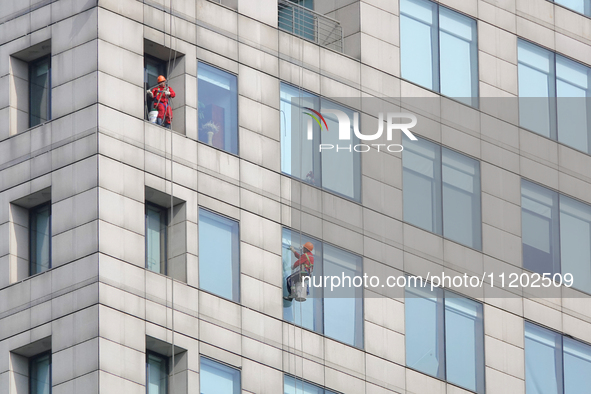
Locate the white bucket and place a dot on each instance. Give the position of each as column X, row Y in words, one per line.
column 152, row 116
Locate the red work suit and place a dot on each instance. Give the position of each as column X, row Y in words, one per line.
column 306, row 259
column 161, row 103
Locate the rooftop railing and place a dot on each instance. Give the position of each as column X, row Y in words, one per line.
column 310, row 25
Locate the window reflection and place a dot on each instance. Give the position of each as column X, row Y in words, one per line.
column 217, row 378
column 218, row 108
column 219, row 254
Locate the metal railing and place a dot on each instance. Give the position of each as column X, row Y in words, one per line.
column 310, row 25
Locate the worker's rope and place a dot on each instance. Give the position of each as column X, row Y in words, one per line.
column 169, row 102
column 301, row 115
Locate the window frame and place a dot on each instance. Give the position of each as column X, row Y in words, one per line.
column 553, row 114
column 237, row 286
column 319, row 311
column 440, row 181
column 316, row 143
column 32, row 360
column 222, row 364
column 559, row 197
column 436, row 61
column 32, row 214
column 235, row 75
column 441, row 296
column 163, row 242
column 586, row 13
column 324, row 389
column 166, row 360
column 32, row 64
column 562, row 337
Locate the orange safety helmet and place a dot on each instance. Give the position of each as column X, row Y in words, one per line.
column 309, row 246
column 161, row 78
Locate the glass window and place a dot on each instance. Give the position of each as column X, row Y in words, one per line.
column 439, row 49
column 216, row 378
column 40, row 374
column 40, row 238
column 445, row 336
column 580, row 6
column 543, row 360
column 554, row 96
column 40, row 91
column 219, row 255
column 156, row 374
column 575, row 241
column 539, row 228
column 573, row 89
column 338, row 172
column 343, row 308
column 464, row 342
column 156, row 229
column 218, row 108
column 421, row 193
column 461, row 199
column 292, row 385
column 555, row 364
column 341, row 171
column 419, row 42
column 556, row 234
column 423, row 315
column 305, row 163
column 458, row 56
column 536, row 88
column 307, row 314
column 577, row 366
column 441, row 192
column 337, row 314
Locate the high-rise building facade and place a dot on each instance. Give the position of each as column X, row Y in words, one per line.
column 150, row 239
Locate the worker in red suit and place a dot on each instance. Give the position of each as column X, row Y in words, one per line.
column 161, row 95
column 302, row 267
column 306, row 259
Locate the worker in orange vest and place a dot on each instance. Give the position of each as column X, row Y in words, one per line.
column 301, row 268
column 161, row 94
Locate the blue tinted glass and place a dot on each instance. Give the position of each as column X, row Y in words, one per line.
column 40, row 238
column 157, row 374
column 419, row 42
column 581, row 6
column 219, row 270
column 536, row 89
column 573, row 88
column 343, row 309
column 461, row 199
column 543, row 360
column 309, row 313
column 39, row 91
column 218, row 108
column 40, row 374
column 575, row 241
column 539, row 228
column 299, row 156
column 464, row 342
column 421, row 191
column 292, row 385
column 577, row 366
column 459, row 56
column 424, row 330
column 216, row 378
column 341, row 171
column 156, row 239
